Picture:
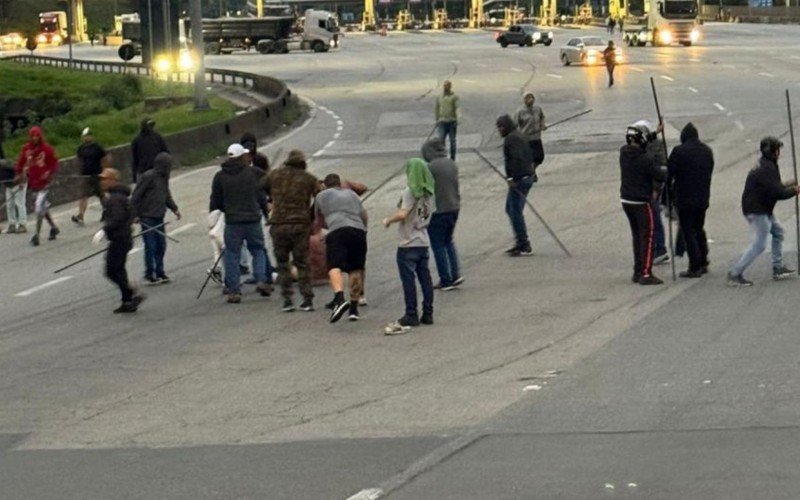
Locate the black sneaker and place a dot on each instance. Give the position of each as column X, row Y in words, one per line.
column 339, row 310
column 77, row 219
column 35, row 240
column 138, row 298
column 650, row 280
column 163, row 279
column 636, row 277
column 781, row 273
column 354, row 316
column 737, row 281
column 150, row 281
column 54, row 231
column 244, row 270
column 408, row 321
column 442, row 286
column 691, row 274
column 264, row 289
column 661, row 259
column 330, row 305
column 458, row 281
column 126, row 307
column 513, row 249
column 426, row 319
column 522, row 252
column 307, row 305
column 288, row 306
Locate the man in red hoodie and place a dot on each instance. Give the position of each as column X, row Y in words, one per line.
column 37, row 164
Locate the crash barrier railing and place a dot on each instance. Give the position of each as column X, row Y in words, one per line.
column 223, row 76
column 260, row 120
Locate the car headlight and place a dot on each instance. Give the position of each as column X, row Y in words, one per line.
column 41, row 39
column 549, row 34
column 56, row 39
column 665, row 37
column 332, row 43
column 694, row 35
column 537, row 35
column 162, row 64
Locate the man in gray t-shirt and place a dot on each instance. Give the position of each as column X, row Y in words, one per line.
column 345, row 245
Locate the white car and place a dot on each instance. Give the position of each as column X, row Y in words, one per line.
column 586, row 50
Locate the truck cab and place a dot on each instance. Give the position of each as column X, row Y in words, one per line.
column 52, row 28
column 661, row 22
column 320, row 31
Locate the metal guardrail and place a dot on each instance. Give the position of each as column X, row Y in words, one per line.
column 223, row 76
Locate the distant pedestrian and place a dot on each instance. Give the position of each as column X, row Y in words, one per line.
column 447, row 111
column 36, row 167
column 444, row 219
column 612, row 23
column 292, row 189
column 638, row 174
column 346, row 243
column 145, row 147
column 150, row 202
column 621, row 26
column 610, row 58
column 257, row 160
column 690, row 167
column 416, row 207
column 530, row 121
column 16, row 213
column 90, row 159
column 236, row 192
column 762, row 190
column 117, row 218
column 520, row 177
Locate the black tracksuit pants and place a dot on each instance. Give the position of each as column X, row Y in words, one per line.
column 116, row 256
column 693, row 222
column 641, row 219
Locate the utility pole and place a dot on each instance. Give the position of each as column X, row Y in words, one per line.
column 70, row 29
column 196, row 17
column 150, row 29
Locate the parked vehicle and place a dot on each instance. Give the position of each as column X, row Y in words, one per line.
column 586, row 50
column 12, row 41
column 524, row 35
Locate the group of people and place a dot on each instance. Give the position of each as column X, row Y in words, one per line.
column 683, row 181
column 612, row 23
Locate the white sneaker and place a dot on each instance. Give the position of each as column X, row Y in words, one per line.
column 362, row 301
column 396, row 328
column 661, row 259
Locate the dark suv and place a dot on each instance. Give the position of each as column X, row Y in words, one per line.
column 524, row 34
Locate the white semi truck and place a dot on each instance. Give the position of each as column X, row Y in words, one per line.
column 661, row 22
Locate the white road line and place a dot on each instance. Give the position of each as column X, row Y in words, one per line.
column 339, row 128
column 768, row 75
column 134, row 251
column 719, row 106
column 553, row 75
column 739, row 124
column 330, row 143
column 694, row 59
column 339, row 123
column 466, row 80
column 693, row 89
column 668, row 78
column 323, row 108
column 638, row 70
column 367, row 494
column 181, row 229
column 41, row 287
column 517, row 70
column 337, row 135
column 318, row 153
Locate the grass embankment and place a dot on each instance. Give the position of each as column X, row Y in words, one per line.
column 111, row 105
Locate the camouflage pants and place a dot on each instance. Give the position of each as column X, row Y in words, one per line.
column 291, row 240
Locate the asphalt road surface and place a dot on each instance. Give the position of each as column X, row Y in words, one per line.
column 543, row 377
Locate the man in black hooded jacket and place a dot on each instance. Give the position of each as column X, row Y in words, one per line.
column 690, row 167
column 640, row 181
column 520, row 177
column 145, row 147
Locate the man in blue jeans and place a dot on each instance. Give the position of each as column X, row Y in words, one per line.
column 150, row 201
column 236, row 191
column 443, row 221
column 446, row 113
column 762, row 190
column 519, row 174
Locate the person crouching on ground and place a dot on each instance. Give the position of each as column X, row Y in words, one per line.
column 417, row 205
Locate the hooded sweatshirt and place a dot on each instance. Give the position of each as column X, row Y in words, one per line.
column 145, row 147
column 39, row 162
column 530, row 120
column 236, row 191
column 690, row 166
column 763, row 188
column 445, row 176
column 291, row 189
column 117, row 214
column 152, row 196
column 260, row 161
column 639, row 175
column 516, row 150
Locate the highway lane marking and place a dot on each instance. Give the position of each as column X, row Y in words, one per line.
column 693, row 90
column 41, row 287
column 668, row 78
column 367, row 494
column 553, row 75
column 739, row 124
column 638, row 70
column 517, row 70
column 768, row 75
column 694, row 59
column 337, row 135
column 339, row 123
column 719, row 106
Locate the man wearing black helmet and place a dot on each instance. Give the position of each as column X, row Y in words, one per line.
column 640, row 181
column 762, row 190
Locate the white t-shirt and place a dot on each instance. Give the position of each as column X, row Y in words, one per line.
column 413, row 229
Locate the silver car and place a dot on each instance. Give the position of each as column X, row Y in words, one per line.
column 586, row 50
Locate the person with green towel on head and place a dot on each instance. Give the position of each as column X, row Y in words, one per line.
column 414, row 215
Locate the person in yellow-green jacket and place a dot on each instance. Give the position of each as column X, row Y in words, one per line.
column 447, row 111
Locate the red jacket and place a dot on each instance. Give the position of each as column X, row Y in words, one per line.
column 41, row 164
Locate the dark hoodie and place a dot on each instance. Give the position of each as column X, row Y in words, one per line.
column 236, row 191
column 445, row 176
column 763, row 188
column 117, row 214
column 152, row 197
column 516, row 150
column 248, row 141
column 145, row 147
column 639, row 174
column 690, row 167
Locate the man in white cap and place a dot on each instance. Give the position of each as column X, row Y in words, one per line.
column 236, row 191
column 90, row 160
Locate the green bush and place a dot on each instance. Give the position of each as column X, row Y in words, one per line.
column 122, row 91
column 90, row 107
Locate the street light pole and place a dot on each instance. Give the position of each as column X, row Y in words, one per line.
column 70, row 29
column 196, row 17
column 150, row 29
